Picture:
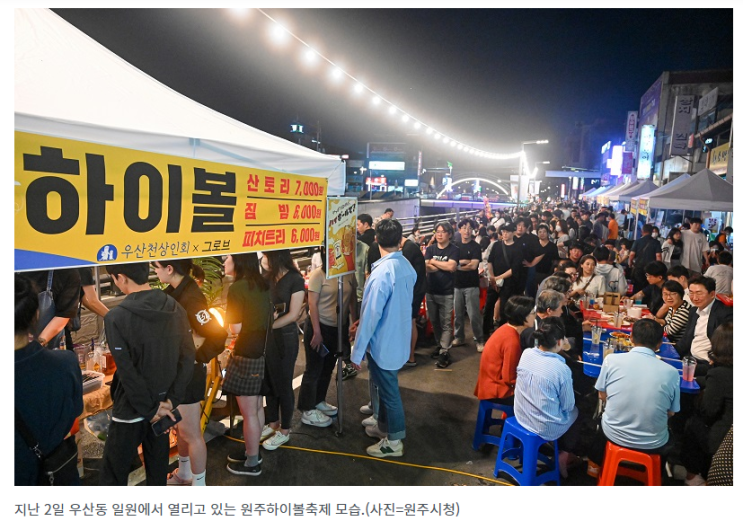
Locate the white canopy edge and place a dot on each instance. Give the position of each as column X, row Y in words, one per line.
column 703, row 191
column 68, row 85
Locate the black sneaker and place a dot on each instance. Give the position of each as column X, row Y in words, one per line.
column 241, row 470
column 436, row 352
column 240, row 457
column 349, row 371
column 444, row 360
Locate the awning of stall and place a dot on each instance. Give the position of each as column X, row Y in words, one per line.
column 606, row 196
column 588, row 193
column 629, row 186
column 73, row 94
column 599, row 191
column 639, row 189
column 703, row 191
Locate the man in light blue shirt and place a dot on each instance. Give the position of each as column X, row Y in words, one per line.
column 384, row 331
column 640, row 392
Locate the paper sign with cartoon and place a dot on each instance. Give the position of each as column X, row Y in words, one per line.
column 341, row 236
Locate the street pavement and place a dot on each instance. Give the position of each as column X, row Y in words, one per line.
column 441, row 412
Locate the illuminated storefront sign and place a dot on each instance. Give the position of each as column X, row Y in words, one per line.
column 645, row 157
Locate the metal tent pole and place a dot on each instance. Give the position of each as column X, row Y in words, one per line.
column 339, row 352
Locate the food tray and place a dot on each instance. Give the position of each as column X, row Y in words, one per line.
column 92, row 381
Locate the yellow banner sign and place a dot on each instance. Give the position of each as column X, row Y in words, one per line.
column 719, row 159
column 79, row 203
column 642, row 207
column 341, row 250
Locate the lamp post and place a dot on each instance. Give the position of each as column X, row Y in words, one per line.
column 362, row 170
column 522, row 165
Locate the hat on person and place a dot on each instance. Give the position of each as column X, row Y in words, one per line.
column 508, row 227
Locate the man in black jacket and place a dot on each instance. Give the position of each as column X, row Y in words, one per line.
column 152, row 345
column 703, row 320
column 365, row 232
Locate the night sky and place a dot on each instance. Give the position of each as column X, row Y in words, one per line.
column 487, row 78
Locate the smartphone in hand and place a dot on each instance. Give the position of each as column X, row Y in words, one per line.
column 280, row 309
column 324, row 351
column 165, row 423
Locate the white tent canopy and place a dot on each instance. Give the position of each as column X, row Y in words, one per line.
column 665, row 188
column 599, row 191
column 703, row 191
column 604, row 197
column 67, row 85
column 639, row 189
column 588, row 193
column 614, row 196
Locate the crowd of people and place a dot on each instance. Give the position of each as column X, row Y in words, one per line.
column 533, row 266
column 536, row 266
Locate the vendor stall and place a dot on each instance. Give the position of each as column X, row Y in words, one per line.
column 587, row 194
column 113, row 166
column 704, row 194
column 625, row 198
column 614, row 197
column 604, row 198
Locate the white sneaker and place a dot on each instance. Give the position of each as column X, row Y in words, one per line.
column 366, row 409
column 316, row 418
column 374, row 432
column 480, row 347
column 267, row 432
column 327, row 409
column 276, row 441
column 458, row 343
column 384, row 449
column 369, row 422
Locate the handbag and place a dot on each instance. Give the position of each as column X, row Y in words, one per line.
column 75, row 324
column 499, row 283
column 47, row 311
column 59, row 467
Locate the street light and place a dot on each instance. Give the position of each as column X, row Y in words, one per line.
column 362, row 170
column 522, row 165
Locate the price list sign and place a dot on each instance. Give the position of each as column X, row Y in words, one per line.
column 80, row 203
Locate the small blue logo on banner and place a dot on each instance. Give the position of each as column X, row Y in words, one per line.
column 107, row 253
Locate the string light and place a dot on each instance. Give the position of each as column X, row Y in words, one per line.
column 281, row 33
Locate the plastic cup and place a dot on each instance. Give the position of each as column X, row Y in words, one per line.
column 596, row 334
column 688, row 366
column 81, row 351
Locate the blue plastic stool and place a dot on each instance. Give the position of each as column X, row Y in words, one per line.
column 485, row 420
column 524, row 445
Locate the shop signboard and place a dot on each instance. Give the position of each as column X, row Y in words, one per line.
column 81, row 203
column 681, row 125
column 642, row 206
column 633, row 206
column 645, row 156
column 627, row 162
column 341, row 233
column 719, row 159
column 630, row 135
column 708, row 101
column 650, row 104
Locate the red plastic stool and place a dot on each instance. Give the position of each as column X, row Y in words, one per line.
column 612, row 468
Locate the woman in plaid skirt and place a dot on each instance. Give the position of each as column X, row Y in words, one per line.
column 249, row 314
